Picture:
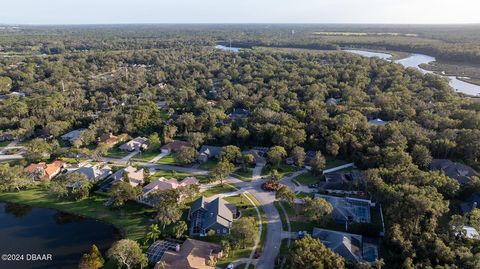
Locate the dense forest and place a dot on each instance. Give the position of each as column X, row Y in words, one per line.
column 110, row 79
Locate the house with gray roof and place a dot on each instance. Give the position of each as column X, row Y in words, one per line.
column 72, row 136
column 459, row 172
column 207, row 152
column 206, row 215
column 352, row 247
column 95, row 172
column 377, row 122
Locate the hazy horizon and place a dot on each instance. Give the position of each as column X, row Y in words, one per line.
column 58, row 12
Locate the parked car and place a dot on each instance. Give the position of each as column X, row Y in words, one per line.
column 313, row 186
column 230, row 266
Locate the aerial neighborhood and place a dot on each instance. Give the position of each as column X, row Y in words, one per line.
column 180, row 152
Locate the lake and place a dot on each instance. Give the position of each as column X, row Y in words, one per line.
column 222, row 47
column 415, row 60
column 28, row 230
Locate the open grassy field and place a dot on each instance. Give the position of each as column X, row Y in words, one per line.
column 132, row 219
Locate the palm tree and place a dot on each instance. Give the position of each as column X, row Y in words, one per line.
column 153, row 234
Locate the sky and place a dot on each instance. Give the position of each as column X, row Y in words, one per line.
column 239, row 11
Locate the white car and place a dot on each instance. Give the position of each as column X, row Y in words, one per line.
column 230, row 266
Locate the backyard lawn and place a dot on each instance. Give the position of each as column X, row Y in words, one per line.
column 132, row 219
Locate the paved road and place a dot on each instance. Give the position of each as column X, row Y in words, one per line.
column 10, row 157
column 123, row 160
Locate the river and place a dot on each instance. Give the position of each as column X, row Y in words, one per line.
column 415, row 60
column 29, row 230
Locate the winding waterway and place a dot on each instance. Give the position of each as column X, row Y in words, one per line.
column 415, row 60
column 27, row 230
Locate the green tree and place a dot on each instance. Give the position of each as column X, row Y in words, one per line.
column 12, row 178
column 38, row 150
column 154, row 142
column 230, row 153
column 276, row 154
column 286, row 194
column 5, row 85
column 421, row 156
column 246, row 229
column 186, row 155
column 316, row 208
column 127, row 253
column 310, row 253
column 122, row 192
column 318, row 163
column 298, row 154
column 153, row 233
column 180, row 228
column 92, row 260
column 221, row 170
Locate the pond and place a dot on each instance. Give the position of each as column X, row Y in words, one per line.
column 415, row 60
column 28, row 230
column 222, row 47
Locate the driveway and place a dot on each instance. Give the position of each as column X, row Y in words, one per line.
column 158, row 157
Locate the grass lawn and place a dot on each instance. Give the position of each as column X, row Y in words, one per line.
column 245, row 175
column 4, row 144
column 283, row 218
column 284, row 249
column 145, row 156
column 177, row 175
column 132, row 219
column 218, row 189
column 263, row 236
column 307, row 178
column 115, row 152
column 169, row 159
column 283, row 169
column 208, row 165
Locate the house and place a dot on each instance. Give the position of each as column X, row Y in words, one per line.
column 472, row 202
column 191, row 254
column 333, row 101
column 162, row 184
column 94, row 172
column 110, row 139
column 343, row 182
column 206, row 215
column 377, row 122
column 162, row 104
column 45, row 171
column 6, row 137
column 174, row 146
column 309, row 156
column 469, row 232
column 207, row 152
column 72, row 136
column 257, row 156
column 238, row 113
column 135, row 177
column 459, row 172
column 138, row 143
column 352, row 247
column 348, row 209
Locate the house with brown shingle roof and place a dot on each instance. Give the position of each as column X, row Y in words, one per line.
column 110, row 139
column 192, row 254
column 174, row 146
